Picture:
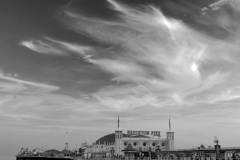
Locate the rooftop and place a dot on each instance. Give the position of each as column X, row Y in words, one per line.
column 111, row 138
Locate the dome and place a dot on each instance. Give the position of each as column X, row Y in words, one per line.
column 52, row 151
column 109, row 138
column 202, row 147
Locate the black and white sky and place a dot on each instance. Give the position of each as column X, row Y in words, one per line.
column 75, row 65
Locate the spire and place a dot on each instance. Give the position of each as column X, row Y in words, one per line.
column 169, row 124
column 118, row 121
column 66, row 147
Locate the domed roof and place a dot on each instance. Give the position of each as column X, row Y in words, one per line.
column 52, row 151
column 202, row 147
column 109, row 138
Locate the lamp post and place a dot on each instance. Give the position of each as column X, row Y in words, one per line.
column 158, row 150
column 140, row 153
column 150, row 153
column 217, row 148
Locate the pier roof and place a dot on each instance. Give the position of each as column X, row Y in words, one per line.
column 111, row 138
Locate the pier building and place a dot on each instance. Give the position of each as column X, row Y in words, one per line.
column 149, row 144
column 119, row 143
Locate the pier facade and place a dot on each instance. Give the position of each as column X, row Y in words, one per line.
column 132, row 143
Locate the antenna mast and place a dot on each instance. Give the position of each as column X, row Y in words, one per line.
column 66, row 147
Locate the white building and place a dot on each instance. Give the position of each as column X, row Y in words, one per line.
column 113, row 144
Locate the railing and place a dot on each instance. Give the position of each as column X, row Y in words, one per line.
column 162, row 158
column 193, row 158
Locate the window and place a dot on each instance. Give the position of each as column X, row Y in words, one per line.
column 144, row 143
column 125, row 143
column 163, row 144
column 97, row 146
column 135, row 143
column 153, row 144
column 101, row 146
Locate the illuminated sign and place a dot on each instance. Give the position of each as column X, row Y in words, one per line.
column 153, row 133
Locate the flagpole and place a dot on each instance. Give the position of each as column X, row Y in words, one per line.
column 118, row 121
column 169, row 124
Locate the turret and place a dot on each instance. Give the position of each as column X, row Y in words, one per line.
column 118, row 140
column 170, row 137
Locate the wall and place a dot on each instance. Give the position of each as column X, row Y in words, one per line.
column 149, row 143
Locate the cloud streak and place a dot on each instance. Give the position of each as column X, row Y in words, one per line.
column 159, row 66
column 53, row 47
column 11, row 84
column 165, row 63
column 157, row 61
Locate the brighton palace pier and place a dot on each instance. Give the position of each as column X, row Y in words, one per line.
column 150, row 145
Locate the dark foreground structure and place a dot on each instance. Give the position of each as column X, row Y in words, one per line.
column 41, row 158
column 38, row 154
column 231, row 153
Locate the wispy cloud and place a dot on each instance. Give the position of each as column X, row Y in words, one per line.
column 165, row 63
column 53, row 47
column 160, row 66
column 157, row 61
column 103, row 31
column 13, row 85
column 25, row 103
column 41, row 47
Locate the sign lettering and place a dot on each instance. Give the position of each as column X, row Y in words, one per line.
column 153, row 133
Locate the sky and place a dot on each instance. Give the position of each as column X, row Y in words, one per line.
column 75, row 65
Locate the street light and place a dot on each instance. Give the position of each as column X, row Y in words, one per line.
column 150, row 153
column 217, row 147
column 158, row 150
column 140, row 153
